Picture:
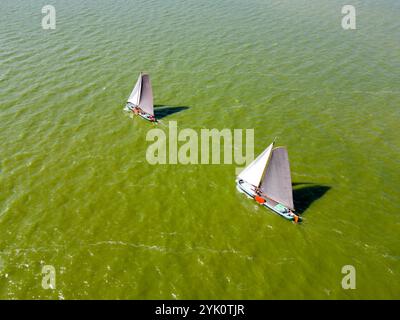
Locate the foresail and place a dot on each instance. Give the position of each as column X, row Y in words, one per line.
column 277, row 182
column 146, row 99
column 253, row 173
column 134, row 98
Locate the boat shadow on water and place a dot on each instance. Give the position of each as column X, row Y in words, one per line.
column 305, row 193
column 162, row 111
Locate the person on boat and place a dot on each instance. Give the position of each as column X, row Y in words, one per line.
column 295, row 216
column 136, row 110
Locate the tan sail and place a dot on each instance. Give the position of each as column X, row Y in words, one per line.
column 146, row 97
column 277, row 182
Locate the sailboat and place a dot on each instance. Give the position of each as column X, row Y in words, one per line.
column 140, row 101
column 267, row 180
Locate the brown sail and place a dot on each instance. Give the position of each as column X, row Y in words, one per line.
column 146, row 97
column 277, row 182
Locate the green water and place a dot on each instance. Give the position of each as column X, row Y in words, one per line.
column 77, row 192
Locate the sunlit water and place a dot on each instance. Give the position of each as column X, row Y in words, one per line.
column 76, row 189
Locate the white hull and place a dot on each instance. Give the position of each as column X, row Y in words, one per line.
column 129, row 108
column 147, row 117
column 249, row 191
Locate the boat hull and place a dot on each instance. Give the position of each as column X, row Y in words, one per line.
column 249, row 191
column 147, row 117
column 129, row 108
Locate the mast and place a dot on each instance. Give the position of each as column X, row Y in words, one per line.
column 266, row 164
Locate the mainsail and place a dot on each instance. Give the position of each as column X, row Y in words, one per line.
column 253, row 173
column 146, row 97
column 134, row 98
column 277, row 182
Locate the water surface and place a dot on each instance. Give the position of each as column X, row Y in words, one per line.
column 78, row 194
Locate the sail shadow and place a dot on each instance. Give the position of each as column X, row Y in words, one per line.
column 303, row 197
column 162, row 111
